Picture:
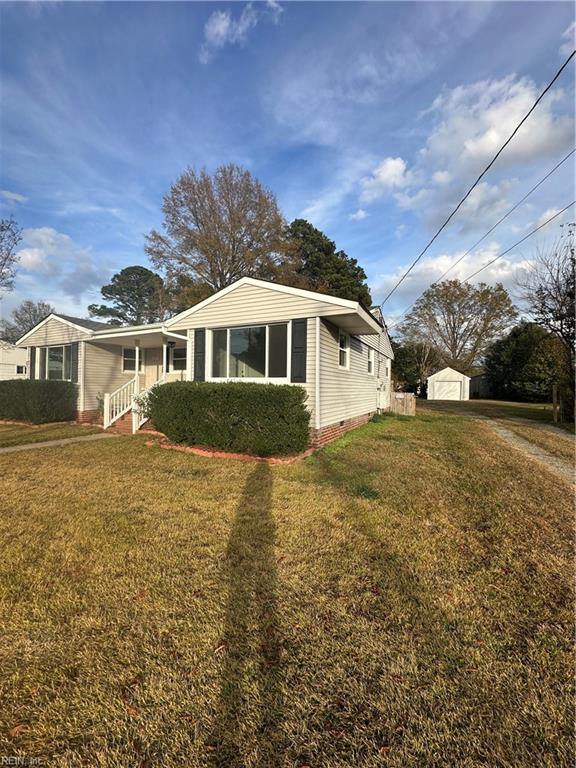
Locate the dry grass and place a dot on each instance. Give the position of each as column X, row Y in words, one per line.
column 401, row 599
column 558, row 445
column 498, row 409
column 19, row 434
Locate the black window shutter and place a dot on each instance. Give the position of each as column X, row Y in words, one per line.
column 32, row 363
column 167, row 358
column 298, row 354
column 74, row 362
column 42, row 372
column 200, row 354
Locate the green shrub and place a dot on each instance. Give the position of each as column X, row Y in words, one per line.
column 261, row 419
column 38, row 401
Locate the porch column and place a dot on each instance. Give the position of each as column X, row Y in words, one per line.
column 137, row 373
column 164, row 366
column 189, row 355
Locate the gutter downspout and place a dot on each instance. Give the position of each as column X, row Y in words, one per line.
column 317, row 378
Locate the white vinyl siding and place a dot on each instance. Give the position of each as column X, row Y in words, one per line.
column 55, row 332
column 102, row 372
column 345, row 392
column 251, row 304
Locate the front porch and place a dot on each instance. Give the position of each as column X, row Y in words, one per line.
column 155, row 356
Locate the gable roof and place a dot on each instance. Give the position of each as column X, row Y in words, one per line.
column 448, row 368
column 301, row 292
column 92, row 325
column 80, row 323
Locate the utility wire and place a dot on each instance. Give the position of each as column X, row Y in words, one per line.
column 477, row 243
column 488, row 263
column 518, row 204
column 484, row 172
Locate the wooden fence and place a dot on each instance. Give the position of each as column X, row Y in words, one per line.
column 403, row 403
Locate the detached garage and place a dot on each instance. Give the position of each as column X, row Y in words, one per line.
column 448, row 384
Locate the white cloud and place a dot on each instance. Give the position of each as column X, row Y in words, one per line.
column 473, row 121
column 569, row 37
column 223, row 29
column 275, row 9
column 432, row 268
column 360, row 215
column 441, row 177
column 469, row 124
column 12, row 197
column 391, row 173
column 51, row 254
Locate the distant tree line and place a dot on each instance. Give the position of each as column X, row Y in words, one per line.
column 474, row 329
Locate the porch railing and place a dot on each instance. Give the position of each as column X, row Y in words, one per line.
column 139, row 404
column 119, row 402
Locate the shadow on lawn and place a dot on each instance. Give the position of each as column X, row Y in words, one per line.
column 250, row 707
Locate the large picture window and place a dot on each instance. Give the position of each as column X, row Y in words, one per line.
column 58, row 363
column 252, row 352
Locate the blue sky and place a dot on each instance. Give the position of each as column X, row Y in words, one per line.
column 368, row 119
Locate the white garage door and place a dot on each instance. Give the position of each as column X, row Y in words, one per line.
column 447, row 390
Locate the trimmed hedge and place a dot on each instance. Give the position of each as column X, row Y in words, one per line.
column 260, row 419
column 38, row 400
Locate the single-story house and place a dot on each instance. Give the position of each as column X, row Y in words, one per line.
column 253, row 330
column 13, row 361
column 448, row 384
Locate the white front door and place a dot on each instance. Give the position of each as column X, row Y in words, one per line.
column 448, row 390
column 152, row 366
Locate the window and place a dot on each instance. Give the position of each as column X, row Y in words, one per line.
column 20, row 369
column 253, row 352
column 178, row 355
column 58, row 363
column 343, row 350
column 129, row 359
column 371, row 362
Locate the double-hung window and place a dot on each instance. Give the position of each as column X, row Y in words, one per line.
column 178, row 358
column 129, row 360
column 343, row 350
column 370, row 361
column 58, row 363
column 250, row 352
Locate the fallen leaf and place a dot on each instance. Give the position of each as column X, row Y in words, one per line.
column 17, row 730
column 384, row 751
column 132, row 711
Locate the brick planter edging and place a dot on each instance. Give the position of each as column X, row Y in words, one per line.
column 234, row 456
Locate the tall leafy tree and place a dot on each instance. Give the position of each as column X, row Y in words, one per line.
column 10, row 236
column 524, row 364
column 218, row 228
column 548, row 288
column 460, row 320
column 135, row 295
column 413, row 363
column 26, row 315
column 311, row 261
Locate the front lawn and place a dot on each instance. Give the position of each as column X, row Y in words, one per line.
column 403, row 598
column 20, row 434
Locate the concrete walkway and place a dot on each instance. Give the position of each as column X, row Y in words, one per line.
column 52, row 443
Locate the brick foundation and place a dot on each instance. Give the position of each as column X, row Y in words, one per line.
column 89, row 417
column 319, row 437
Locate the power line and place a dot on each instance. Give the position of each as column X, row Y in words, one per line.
column 477, row 243
column 499, row 256
column 488, row 263
column 484, row 172
column 518, row 204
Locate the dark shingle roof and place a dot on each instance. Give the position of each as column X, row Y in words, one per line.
column 92, row 325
